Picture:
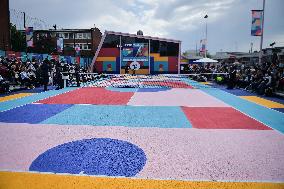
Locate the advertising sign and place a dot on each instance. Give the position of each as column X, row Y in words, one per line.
column 59, row 44
column 29, row 36
column 135, row 52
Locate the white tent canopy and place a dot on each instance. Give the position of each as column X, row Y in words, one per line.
column 206, row 60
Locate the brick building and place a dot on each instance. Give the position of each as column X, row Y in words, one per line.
column 87, row 39
column 4, row 25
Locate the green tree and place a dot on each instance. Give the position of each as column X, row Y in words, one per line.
column 18, row 39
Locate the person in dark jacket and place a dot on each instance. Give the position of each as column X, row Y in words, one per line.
column 77, row 74
column 45, row 70
column 58, row 76
column 232, row 78
column 126, row 69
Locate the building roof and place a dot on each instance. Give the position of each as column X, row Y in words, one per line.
column 142, row 36
column 63, row 30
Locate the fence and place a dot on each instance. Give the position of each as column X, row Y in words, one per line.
column 84, row 62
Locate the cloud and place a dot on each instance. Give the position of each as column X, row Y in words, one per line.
column 228, row 22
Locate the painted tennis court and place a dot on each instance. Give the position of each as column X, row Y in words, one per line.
column 161, row 131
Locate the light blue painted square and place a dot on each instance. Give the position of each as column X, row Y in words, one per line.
column 129, row 116
column 157, row 66
column 146, row 63
column 106, row 63
column 195, row 84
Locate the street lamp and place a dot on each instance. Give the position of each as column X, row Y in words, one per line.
column 206, row 16
column 272, row 44
column 262, row 26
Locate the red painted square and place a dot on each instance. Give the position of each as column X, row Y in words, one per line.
column 171, row 84
column 173, row 63
column 109, row 52
column 91, row 95
column 221, row 118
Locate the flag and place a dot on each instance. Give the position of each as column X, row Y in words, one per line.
column 256, row 27
column 202, row 45
column 77, row 49
column 59, row 44
column 29, row 36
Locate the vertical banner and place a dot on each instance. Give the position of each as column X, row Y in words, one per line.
column 256, row 27
column 59, row 44
column 77, row 49
column 29, row 36
column 202, row 45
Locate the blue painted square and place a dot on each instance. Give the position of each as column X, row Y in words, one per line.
column 129, row 116
column 32, row 113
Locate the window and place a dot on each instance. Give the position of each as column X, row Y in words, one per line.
column 79, row 35
column 172, row 49
column 85, row 46
column 155, row 46
column 84, row 35
column 68, row 47
column 60, row 35
column 70, row 35
column 163, row 48
column 89, row 46
column 89, row 36
column 66, row 36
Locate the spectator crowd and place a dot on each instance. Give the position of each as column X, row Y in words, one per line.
column 17, row 74
column 265, row 78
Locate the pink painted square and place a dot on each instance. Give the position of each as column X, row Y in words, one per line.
column 176, row 97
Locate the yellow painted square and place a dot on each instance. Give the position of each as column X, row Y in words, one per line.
column 263, row 102
column 15, row 96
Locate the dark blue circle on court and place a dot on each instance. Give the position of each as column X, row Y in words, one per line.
column 98, row 156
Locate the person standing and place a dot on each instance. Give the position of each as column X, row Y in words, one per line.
column 77, row 74
column 126, row 69
column 232, row 78
column 45, row 73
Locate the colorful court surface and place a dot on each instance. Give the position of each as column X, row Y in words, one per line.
column 263, row 102
column 14, row 96
column 141, row 132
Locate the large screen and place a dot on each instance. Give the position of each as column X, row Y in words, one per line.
column 135, row 52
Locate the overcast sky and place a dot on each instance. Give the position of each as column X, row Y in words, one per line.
column 229, row 21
